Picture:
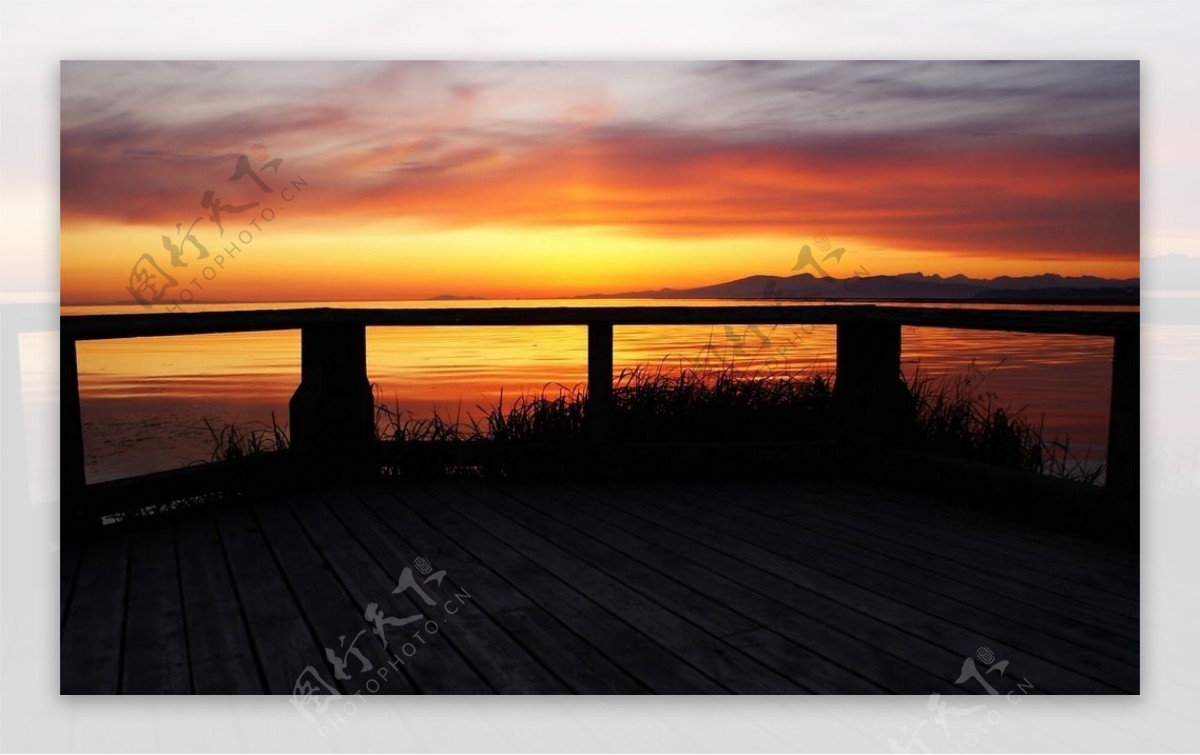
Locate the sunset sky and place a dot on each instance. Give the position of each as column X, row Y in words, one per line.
column 557, row 179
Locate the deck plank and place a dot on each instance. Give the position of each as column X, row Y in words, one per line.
column 686, row 601
column 894, row 659
column 594, row 588
column 581, row 667
column 504, row 664
column 1104, row 656
column 641, row 657
column 68, row 572
column 283, row 641
column 91, row 643
column 894, row 600
column 434, row 666
column 794, row 631
column 156, row 651
column 327, row 607
column 1111, row 630
column 732, row 669
column 222, row 657
column 1103, row 556
column 876, row 619
column 975, row 547
column 1063, row 559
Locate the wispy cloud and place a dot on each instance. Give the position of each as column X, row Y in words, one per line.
column 1035, row 158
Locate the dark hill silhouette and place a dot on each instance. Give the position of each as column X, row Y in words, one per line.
column 903, row 286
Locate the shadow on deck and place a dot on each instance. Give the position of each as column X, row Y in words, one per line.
column 596, row 588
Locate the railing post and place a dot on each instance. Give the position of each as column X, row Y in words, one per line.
column 600, row 378
column 1124, row 417
column 72, row 477
column 871, row 402
column 332, row 411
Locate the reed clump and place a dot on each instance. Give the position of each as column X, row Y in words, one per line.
column 961, row 416
column 239, row 440
column 957, row 415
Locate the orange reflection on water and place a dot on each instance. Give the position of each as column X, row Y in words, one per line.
column 251, row 367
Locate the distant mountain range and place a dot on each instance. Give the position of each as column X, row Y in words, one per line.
column 1045, row 287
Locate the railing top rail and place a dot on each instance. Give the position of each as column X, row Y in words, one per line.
column 1074, row 322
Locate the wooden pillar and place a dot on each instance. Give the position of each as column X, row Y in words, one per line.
column 869, row 394
column 72, row 478
column 332, row 412
column 1124, row 418
column 600, row 379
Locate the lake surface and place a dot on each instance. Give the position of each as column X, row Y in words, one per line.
column 146, row 401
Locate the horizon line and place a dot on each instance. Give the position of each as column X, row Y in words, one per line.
column 645, row 293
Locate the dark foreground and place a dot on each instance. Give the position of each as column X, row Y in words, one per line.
column 664, row 588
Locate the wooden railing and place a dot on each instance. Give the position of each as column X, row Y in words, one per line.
column 334, row 392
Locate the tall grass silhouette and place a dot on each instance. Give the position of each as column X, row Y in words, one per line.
column 957, row 415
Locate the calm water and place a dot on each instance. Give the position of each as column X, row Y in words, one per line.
column 145, row 401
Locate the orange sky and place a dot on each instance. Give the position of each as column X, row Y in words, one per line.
column 506, row 180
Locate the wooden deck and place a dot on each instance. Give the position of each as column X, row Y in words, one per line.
column 588, row 588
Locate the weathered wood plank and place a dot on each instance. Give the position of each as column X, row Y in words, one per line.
column 283, row 641
column 222, row 657
column 434, row 665
column 91, row 643
column 893, row 600
column 580, row 666
column 897, row 661
column 823, row 515
column 1104, row 656
column 1050, row 549
column 686, row 601
column 503, row 664
column 859, row 618
column 68, row 571
column 801, row 664
column 328, row 609
column 1054, row 546
column 156, row 651
column 581, row 587
column 1049, row 543
column 1070, row 579
column 815, row 650
column 733, row 669
column 644, row 659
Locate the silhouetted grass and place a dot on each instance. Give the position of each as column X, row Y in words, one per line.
column 648, row 404
column 395, row 425
column 234, row 441
column 723, row 404
column 960, row 416
column 956, row 415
